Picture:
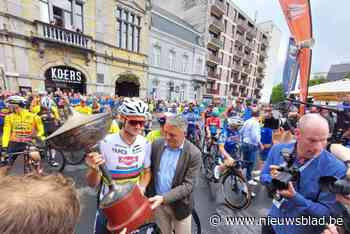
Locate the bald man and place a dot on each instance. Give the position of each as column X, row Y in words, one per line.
column 304, row 197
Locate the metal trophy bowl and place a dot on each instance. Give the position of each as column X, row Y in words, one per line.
column 124, row 205
column 80, row 131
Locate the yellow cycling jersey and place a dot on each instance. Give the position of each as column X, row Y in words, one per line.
column 36, row 109
column 114, row 127
column 20, row 127
column 83, row 109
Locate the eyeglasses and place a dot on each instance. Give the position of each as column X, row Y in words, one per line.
column 137, row 122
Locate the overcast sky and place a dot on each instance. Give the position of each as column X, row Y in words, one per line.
column 331, row 29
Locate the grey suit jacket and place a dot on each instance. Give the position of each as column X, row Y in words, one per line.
column 180, row 197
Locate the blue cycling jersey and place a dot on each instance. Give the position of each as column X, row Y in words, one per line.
column 229, row 138
column 266, row 135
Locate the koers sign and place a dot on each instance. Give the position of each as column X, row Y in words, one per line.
column 65, row 74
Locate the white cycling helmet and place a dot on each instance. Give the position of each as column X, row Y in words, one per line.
column 46, row 102
column 17, row 100
column 133, row 107
column 235, row 121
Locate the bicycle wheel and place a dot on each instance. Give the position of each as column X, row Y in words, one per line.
column 74, row 158
column 236, row 191
column 53, row 161
column 196, row 224
column 208, row 165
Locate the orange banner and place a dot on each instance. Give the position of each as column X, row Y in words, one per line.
column 304, row 58
column 298, row 16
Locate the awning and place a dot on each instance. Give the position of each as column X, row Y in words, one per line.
column 331, row 91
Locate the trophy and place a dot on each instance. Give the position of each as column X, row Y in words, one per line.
column 123, row 205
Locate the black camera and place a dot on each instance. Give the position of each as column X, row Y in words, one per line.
column 287, row 173
column 334, row 185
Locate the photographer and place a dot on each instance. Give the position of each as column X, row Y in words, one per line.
column 303, row 196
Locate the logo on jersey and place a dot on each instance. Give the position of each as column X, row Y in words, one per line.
column 128, row 160
column 137, row 149
column 119, row 150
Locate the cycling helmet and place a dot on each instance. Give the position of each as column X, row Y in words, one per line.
column 215, row 113
column 133, row 107
column 16, row 100
column 235, row 121
column 46, row 102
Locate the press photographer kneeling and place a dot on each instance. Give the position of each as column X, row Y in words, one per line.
column 298, row 193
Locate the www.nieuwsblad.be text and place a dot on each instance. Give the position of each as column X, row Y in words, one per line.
column 217, row 220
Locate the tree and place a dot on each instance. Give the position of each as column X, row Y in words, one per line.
column 277, row 94
column 347, row 76
column 318, row 80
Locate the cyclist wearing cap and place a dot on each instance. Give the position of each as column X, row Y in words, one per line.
column 19, row 127
column 159, row 133
column 83, row 108
column 228, row 145
column 125, row 154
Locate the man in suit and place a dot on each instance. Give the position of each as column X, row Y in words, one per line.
column 175, row 167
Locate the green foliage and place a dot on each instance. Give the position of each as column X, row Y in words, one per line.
column 318, row 80
column 277, row 94
column 347, row 76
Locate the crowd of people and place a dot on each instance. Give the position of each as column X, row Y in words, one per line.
column 165, row 163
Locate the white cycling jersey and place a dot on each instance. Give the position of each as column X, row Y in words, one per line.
column 125, row 162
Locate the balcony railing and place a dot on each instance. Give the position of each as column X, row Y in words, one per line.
column 262, row 65
column 265, row 41
column 251, row 32
column 236, row 80
column 239, row 53
column 199, row 78
column 247, row 70
column 248, row 57
column 213, row 75
column 241, row 39
column 250, row 44
column 216, row 42
column 218, row 7
column 263, row 53
column 236, row 67
column 217, row 24
column 213, row 91
column 61, row 35
column 242, row 24
column 213, row 58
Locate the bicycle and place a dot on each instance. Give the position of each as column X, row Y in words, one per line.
column 234, row 186
column 210, row 159
column 196, row 223
column 52, row 160
column 31, row 160
column 38, row 158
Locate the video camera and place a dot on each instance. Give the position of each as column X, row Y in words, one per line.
column 287, row 173
column 334, row 185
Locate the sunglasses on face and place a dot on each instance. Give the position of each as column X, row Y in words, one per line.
column 137, row 122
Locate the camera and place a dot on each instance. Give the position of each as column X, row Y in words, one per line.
column 287, row 173
column 334, row 185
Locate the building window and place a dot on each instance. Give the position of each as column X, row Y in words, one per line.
column 63, row 13
column 184, row 63
column 172, row 55
column 44, row 11
column 128, row 30
column 78, row 16
column 100, row 78
column 156, row 55
column 225, row 26
column 199, row 66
